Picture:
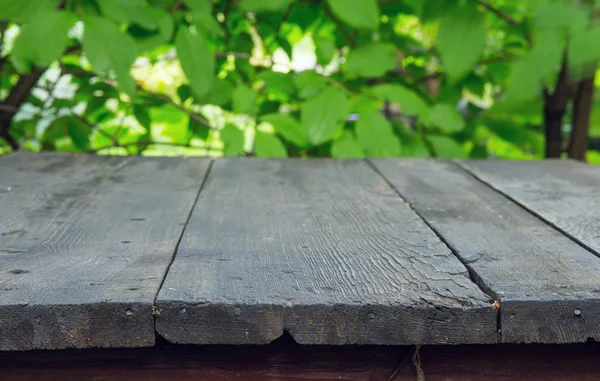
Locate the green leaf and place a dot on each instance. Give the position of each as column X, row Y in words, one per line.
column 108, row 49
column 264, row 5
column 372, row 60
column 361, row 103
column 582, row 58
column 323, row 116
column 79, row 132
column 361, row 14
column 199, row 130
column 309, row 83
column 516, row 133
column 202, row 17
column 150, row 40
column 475, row 84
column 560, row 16
column 42, row 40
column 244, row 100
column 219, row 93
column 22, row 11
column 414, row 146
column 128, row 12
column 198, row 4
column 287, row 127
column 376, row 136
column 233, row 140
column 170, row 123
column 461, row 40
column 530, row 73
column 410, row 103
column 324, row 48
column 277, row 84
column 184, row 92
column 143, row 117
column 197, row 62
column 593, row 157
column 347, row 147
column 446, row 147
column 433, row 10
column 267, row 145
column 446, row 118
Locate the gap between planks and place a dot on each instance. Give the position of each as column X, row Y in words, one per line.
column 539, row 216
column 155, row 310
column 472, row 276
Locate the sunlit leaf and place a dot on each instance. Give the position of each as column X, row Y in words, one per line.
column 376, row 136
column 233, row 140
column 324, row 48
column 323, row 116
column 361, row 14
column 197, row 61
column 244, row 100
column 446, row 118
column 288, row 127
column 42, row 40
column 347, row 147
column 23, row 11
column 372, row 60
column 446, row 147
column 582, row 58
column 267, row 145
column 108, row 49
column 461, row 40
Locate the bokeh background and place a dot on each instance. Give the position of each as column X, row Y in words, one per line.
column 302, row 78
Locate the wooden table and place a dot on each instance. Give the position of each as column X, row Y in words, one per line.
column 116, row 251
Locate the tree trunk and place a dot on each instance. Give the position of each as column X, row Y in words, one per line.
column 554, row 110
column 582, row 108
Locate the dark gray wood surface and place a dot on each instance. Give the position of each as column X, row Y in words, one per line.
column 322, row 249
column 564, row 193
column 84, row 244
column 548, row 285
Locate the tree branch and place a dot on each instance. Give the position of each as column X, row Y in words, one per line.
column 17, row 95
column 498, row 12
column 147, row 143
column 198, row 118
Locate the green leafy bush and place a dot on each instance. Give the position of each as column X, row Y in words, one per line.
column 276, row 78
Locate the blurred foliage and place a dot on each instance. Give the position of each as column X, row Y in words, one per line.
column 277, row 78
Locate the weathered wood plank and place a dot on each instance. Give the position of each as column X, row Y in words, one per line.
column 323, row 249
column 548, row 285
column 562, row 192
column 84, row 245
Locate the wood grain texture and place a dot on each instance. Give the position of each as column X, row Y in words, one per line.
column 84, row 244
column 322, row 249
column 548, row 285
column 562, row 192
column 312, row 363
